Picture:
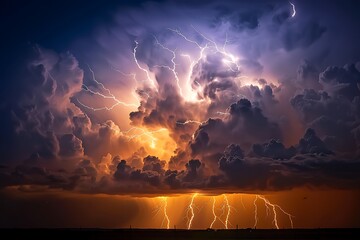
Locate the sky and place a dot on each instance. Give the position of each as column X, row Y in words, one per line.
column 154, row 113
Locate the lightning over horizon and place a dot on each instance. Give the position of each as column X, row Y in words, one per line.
column 191, row 210
column 269, row 205
column 186, row 115
column 272, row 210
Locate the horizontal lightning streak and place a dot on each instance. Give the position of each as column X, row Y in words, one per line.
column 188, row 121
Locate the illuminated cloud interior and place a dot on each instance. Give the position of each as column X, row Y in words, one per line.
column 204, row 100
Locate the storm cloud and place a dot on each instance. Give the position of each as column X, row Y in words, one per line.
column 172, row 97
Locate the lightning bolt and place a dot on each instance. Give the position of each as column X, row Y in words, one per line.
column 140, row 92
column 108, row 95
column 166, row 217
column 293, row 9
column 144, row 132
column 147, row 73
column 255, row 211
column 149, row 134
column 188, row 122
column 173, row 68
column 193, row 62
column 211, row 46
column 242, row 202
column 213, row 212
column 191, row 211
column 131, row 136
column 272, row 206
column 228, row 211
column 229, row 58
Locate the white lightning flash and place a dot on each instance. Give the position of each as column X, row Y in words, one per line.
column 293, row 9
column 211, row 46
column 228, row 59
column 274, row 208
column 173, row 68
column 189, row 121
column 152, row 82
column 108, row 95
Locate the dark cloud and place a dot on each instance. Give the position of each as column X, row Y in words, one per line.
column 308, row 75
column 311, row 143
column 333, row 117
column 192, row 170
column 274, row 149
column 281, row 17
column 122, row 170
column 70, row 145
column 246, row 20
column 41, row 110
column 152, row 163
column 244, row 124
column 231, row 128
column 342, row 81
column 302, row 36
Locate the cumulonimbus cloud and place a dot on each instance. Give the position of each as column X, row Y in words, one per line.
column 241, row 131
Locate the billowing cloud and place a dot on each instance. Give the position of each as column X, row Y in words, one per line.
column 237, row 99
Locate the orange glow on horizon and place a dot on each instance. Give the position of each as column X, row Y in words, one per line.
column 309, row 208
column 184, row 210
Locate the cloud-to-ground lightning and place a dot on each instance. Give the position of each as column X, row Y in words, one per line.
column 228, row 211
column 293, row 9
column 231, row 62
column 166, row 217
column 190, row 210
column 273, row 211
column 255, row 211
column 213, row 212
column 269, row 205
column 162, row 208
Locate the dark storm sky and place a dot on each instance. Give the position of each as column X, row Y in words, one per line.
column 297, row 116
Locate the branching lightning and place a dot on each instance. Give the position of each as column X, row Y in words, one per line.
column 149, row 134
column 152, row 82
column 108, row 95
column 190, row 210
column 228, row 59
column 269, row 206
column 274, row 211
column 228, row 211
column 173, row 68
column 213, row 212
column 162, row 208
column 232, row 64
column 143, row 132
column 166, row 217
